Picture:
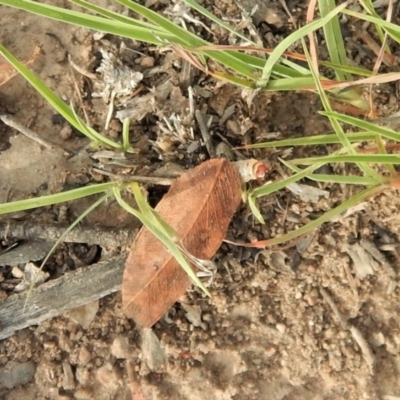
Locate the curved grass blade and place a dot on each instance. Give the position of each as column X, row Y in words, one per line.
column 62, row 237
column 55, row 101
column 326, row 217
column 49, row 200
column 292, row 38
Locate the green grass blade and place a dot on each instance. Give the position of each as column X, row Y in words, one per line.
column 392, row 29
column 74, row 224
column 196, row 6
column 341, row 179
column 125, row 136
column 334, row 39
column 54, row 100
column 313, row 140
column 292, row 38
column 354, row 158
column 335, row 124
column 165, row 239
column 187, row 38
column 61, row 238
column 269, row 188
column 49, row 200
column 93, row 22
column 150, row 214
column 365, row 125
column 369, row 8
column 114, row 16
column 327, row 216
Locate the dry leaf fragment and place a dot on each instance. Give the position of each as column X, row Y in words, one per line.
column 199, row 206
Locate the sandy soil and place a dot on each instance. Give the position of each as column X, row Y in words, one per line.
column 313, row 321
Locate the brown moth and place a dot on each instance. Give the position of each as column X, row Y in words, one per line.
column 199, row 206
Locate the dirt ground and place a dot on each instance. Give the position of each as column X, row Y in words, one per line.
column 318, row 320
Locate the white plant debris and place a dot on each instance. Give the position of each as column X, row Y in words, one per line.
column 172, row 132
column 114, row 81
column 307, row 193
column 32, row 275
column 363, row 263
column 180, row 12
column 138, row 107
column 118, row 79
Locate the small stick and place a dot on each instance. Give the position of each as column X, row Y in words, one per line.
column 102, row 236
column 58, row 296
column 11, row 122
column 238, row 154
column 355, row 332
column 205, row 134
column 78, row 93
column 136, row 178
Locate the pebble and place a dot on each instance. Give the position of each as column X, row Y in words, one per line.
column 81, row 34
column 147, row 62
column 15, row 374
column 270, row 351
column 68, row 378
column 83, row 376
column 84, row 393
column 281, row 328
column 66, row 132
column 121, row 348
column 84, row 315
column 116, row 125
column 152, row 351
column 224, row 150
column 108, row 376
column 84, row 355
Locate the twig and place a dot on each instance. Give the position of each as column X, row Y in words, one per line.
column 58, row 296
column 205, row 134
column 103, row 236
column 238, row 154
column 355, row 332
column 78, row 93
column 135, row 178
column 11, row 122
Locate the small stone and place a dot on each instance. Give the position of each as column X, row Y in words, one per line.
column 153, row 352
column 113, row 134
column 15, row 374
column 224, row 150
column 83, row 375
column 270, row 351
column 84, row 355
column 17, row 273
column 108, row 376
column 66, row 132
column 116, row 125
column 84, row 393
column 81, row 34
column 281, row 328
column 84, row 315
column 68, row 378
column 147, row 62
column 121, row 348
column 234, row 127
column 193, row 314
